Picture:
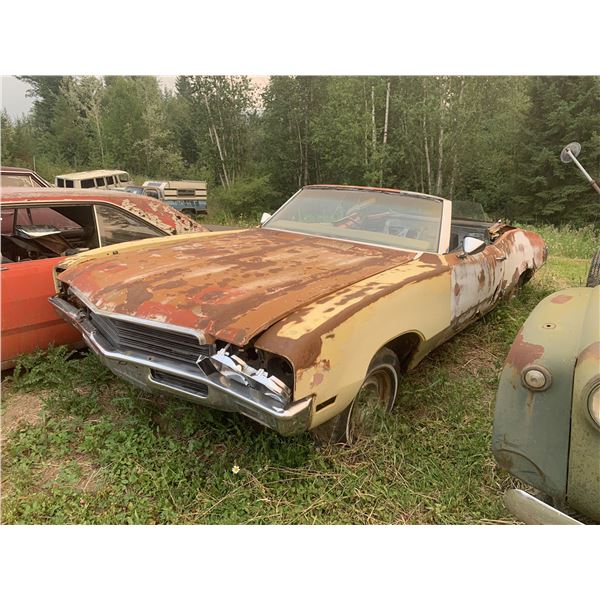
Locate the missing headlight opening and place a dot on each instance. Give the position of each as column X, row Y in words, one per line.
column 252, row 368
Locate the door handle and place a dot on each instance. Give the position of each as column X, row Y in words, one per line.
column 3, row 268
column 501, row 258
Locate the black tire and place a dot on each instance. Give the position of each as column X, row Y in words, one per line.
column 526, row 275
column 593, row 278
column 374, row 400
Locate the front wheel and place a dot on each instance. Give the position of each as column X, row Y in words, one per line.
column 365, row 415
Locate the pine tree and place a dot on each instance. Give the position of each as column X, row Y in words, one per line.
column 562, row 110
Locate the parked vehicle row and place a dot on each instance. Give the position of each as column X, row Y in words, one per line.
column 186, row 196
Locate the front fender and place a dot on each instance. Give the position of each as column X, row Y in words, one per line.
column 331, row 342
column 532, row 428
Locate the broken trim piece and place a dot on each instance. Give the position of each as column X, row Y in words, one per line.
column 234, row 368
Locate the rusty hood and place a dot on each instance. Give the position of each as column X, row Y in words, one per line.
column 231, row 286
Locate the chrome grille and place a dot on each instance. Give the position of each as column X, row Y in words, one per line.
column 148, row 340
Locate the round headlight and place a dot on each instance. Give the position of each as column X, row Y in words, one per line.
column 536, row 378
column 594, row 405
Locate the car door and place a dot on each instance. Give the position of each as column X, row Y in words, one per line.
column 476, row 283
column 28, row 321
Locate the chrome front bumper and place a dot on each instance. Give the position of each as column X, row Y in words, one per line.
column 213, row 391
column 533, row 511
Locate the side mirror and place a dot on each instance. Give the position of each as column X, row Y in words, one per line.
column 570, row 151
column 472, row 245
column 264, row 218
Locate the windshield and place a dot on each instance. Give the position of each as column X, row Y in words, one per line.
column 394, row 219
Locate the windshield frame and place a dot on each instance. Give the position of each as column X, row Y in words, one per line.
column 444, row 232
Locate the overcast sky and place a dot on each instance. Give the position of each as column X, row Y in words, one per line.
column 14, row 99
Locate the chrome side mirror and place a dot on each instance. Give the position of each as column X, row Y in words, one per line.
column 264, row 218
column 472, row 245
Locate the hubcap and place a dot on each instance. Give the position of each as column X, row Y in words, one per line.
column 371, row 405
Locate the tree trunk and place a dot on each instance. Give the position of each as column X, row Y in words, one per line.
column 373, row 131
column 306, row 132
column 301, row 154
column 440, row 157
column 218, row 143
column 387, row 112
column 427, row 161
column 385, row 131
column 366, row 122
column 456, row 143
column 99, row 132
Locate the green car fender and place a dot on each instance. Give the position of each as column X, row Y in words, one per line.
column 532, row 422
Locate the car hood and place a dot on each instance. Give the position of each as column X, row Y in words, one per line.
column 230, row 286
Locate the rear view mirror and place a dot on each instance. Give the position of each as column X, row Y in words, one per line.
column 265, row 217
column 472, row 245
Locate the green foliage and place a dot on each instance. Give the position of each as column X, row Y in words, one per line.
column 569, row 241
column 561, row 110
column 493, row 140
column 248, row 197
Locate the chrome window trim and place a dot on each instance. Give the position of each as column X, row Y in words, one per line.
column 418, row 253
column 97, row 226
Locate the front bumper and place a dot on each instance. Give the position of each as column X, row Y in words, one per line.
column 187, row 382
column 533, row 511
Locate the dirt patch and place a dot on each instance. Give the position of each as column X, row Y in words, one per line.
column 87, row 481
column 20, row 409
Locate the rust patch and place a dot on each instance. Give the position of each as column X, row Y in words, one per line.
column 481, row 279
column 430, row 259
column 561, row 299
column 304, row 351
column 317, row 379
column 158, row 213
column 231, row 286
column 523, row 353
column 456, row 289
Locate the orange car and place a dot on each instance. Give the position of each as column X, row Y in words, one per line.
column 40, row 226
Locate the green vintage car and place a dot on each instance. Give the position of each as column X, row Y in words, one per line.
column 547, row 420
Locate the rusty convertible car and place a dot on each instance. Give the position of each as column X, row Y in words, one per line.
column 306, row 322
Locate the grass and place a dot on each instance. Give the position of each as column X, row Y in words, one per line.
column 80, row 446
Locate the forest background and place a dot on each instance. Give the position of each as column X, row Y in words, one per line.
column 493, row 140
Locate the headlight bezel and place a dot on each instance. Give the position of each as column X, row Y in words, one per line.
column 593, row 397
